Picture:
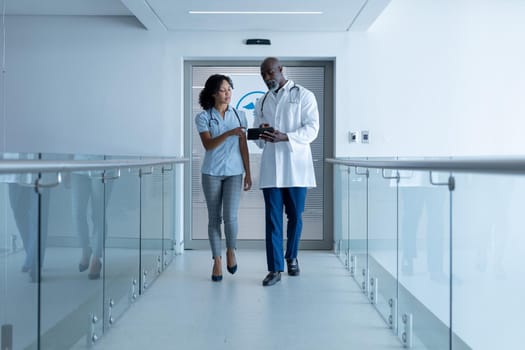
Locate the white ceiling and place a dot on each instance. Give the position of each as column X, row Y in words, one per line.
column 66, row 7
column 173, row 15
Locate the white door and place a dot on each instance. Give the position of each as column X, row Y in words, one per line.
column 248, row 87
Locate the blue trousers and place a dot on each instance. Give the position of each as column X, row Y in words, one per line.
column 293, row 200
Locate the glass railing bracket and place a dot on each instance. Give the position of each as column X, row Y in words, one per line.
column 106, row 177
column 165, row 259
column 364, row 284
column 396, row 175
column 111, row 319
column 373, row 290
column 144, row 280
column 133, row 291
column 406, row 336
column 450, row 183
column 365, row 173
column 392, row 318
column 39, row 185
column 92, row 336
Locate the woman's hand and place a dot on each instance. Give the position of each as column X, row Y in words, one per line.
column 247, row 182
column 238, row 131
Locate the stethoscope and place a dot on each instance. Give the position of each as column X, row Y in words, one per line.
column 290, row 96
column 217, row 120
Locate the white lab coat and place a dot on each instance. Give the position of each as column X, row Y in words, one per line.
column 294, row 112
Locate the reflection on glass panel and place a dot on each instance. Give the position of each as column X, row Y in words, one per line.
column 19, row 258
column 180, row 204
column 168, row 214
column 346, row 217
column 488, row 271
column 358, row 186
column 341, row 213
column 122, row 245
column 424, row 248
column 80, row 238
column 151, row 225
column 71, row 288
column 382, row 240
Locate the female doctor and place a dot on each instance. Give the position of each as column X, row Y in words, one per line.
column 222, row 132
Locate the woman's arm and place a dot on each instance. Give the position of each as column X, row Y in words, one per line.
column 243, row 146
column 210, row 143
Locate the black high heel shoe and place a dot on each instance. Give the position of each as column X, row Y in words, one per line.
column 84, row 261
column 96, row 268
column 216, row 278
column 232, row 269
column 82, row 267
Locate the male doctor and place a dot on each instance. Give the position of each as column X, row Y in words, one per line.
column 287, row 168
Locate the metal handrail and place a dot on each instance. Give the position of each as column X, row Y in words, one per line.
column 45, row 166
column 507, row 165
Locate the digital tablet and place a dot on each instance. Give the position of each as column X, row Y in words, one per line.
column 253, row 133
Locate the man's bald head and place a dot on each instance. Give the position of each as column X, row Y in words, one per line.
column 272, row 73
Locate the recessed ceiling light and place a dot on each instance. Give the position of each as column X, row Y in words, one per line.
column 255, row 12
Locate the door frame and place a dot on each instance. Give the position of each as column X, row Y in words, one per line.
column 328, row 149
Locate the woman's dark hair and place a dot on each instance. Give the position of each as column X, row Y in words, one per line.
column 212, row 86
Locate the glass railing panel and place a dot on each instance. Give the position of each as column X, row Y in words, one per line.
column 424, row 255
column 70, row 252
column 71, row 301
column 357, row 212
column 488, row 240
column 71, row 284
column 341, row 198
column 151, row 225
column 382, row 242
column 337, row 211
column 181, row 216
column 122, row 244
column 19, row 259
column 345, row 213
column 168, row 213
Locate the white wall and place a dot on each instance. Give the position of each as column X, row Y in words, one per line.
column 438, row 78
column 429, row 78
column 86, row 85
column 105, row 85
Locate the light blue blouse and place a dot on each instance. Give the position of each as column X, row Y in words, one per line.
column 225, row 159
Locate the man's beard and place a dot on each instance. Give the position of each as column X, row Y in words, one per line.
column 272, row 85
